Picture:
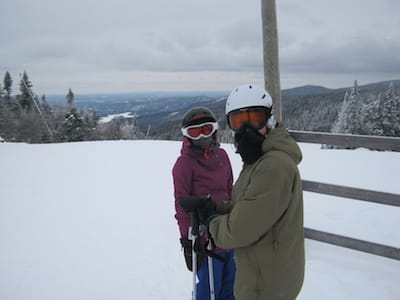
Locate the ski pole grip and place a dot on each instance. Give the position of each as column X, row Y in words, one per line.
column 195, row 223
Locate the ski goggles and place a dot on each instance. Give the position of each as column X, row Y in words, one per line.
column 198, row 131
column 256, row 117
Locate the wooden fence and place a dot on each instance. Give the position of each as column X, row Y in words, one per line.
column 351, row 141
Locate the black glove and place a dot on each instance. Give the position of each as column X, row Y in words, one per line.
column 188, row 253
column 202, row 207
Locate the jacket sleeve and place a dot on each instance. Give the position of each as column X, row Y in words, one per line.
column 265, row 198
column 182, row 177
column 224, row 206
column 230, row 175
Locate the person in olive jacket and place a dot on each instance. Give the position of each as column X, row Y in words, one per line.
column 264, row 220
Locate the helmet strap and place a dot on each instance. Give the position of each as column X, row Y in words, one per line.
column 271, row 123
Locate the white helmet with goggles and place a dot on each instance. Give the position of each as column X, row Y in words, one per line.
column 248, row 103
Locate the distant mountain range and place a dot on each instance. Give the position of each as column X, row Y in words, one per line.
column 307, row 107
column 306, row 90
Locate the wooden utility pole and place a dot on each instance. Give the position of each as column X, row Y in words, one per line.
column 271, row 54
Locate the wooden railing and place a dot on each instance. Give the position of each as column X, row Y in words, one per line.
column 351, row 141
column 348, row 140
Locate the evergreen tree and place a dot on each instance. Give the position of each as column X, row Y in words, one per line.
column 340, row 123
column 72, row 129
column 382, row 115
column 349, row 117
column 7, row 82
column 353, row 111
column 70, row 98
column 24, row 98
column 371, row 117
column 391, row 113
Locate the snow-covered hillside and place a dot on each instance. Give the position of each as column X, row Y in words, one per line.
column 95, row 220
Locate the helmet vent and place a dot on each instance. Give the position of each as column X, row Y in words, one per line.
column 263, row 96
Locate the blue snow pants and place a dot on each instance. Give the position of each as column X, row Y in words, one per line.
column 224, row 277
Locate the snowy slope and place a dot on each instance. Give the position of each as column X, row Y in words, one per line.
column 94, row 220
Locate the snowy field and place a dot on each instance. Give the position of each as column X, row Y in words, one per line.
column 95, row 220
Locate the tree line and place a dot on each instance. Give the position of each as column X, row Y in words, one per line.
column 26, row 117
column 371, row 115
column 371, row 110
column 367, row 111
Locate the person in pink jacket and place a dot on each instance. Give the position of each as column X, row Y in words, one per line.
column 203, row 169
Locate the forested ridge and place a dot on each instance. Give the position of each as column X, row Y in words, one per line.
column 372, row 109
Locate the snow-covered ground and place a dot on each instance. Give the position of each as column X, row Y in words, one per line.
column 95, row 220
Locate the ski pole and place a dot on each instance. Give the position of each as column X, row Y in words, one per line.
column 211, row 272
column 194, row 233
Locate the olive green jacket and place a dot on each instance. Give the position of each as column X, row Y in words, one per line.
column 265, row 223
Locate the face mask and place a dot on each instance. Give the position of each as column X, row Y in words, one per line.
column 248, row 142
column 203, row 142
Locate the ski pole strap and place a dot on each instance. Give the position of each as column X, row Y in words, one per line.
column 198, row 247
column 212, row 254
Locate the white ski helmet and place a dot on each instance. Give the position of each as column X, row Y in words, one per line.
column 248, row 95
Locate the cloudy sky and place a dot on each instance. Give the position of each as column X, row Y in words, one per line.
column 98, row 46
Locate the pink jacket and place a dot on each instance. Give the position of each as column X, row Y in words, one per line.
column 196, row 174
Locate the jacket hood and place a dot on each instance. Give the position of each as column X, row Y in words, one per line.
column 279, row 139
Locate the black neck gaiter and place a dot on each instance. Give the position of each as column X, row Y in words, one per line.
column 248, row 142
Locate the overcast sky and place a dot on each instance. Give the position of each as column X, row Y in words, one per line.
column 98, row 46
